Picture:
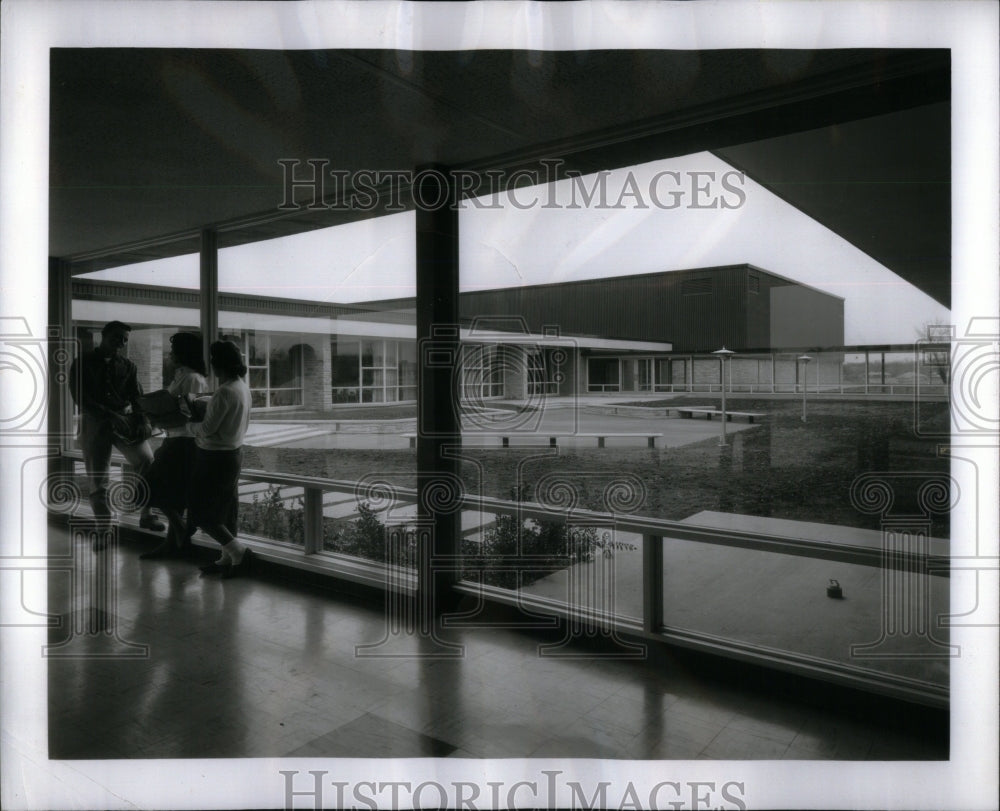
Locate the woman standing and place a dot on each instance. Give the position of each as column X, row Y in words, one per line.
column 169, row 475
column 213, row 497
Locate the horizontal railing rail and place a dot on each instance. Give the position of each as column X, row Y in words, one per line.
column 861, row 554
column 936, row 560
column 856, row 388
column 387, row 496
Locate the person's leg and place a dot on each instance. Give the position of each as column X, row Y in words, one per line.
column 95, row 442
column 182, row 529
column 140, row 456
column 233, row 555
column 177, row 540
column 214, row 501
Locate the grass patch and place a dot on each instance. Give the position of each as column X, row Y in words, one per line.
column 781, row 468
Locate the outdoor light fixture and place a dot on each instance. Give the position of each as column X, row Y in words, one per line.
column 805, row 363
column 723, row 354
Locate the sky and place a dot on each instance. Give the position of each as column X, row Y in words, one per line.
column 654, row 217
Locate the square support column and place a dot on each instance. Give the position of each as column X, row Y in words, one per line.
column 209, row 285
column 60, row 352
column 438, row 363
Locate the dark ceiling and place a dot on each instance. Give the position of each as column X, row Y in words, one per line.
column 149, row 147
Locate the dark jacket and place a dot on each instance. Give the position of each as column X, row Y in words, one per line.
column 100, row 385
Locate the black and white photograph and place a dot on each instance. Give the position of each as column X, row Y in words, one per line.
column 499, row 405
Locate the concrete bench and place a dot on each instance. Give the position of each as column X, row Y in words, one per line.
column 688, row 413
column 553, row 439
column 650, row 438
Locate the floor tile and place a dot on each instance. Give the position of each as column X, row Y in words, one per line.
column 732, row 744
column 371, row 736
column 776, row 730
column 261, row 668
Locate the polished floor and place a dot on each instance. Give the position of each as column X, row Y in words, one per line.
column 153, row 660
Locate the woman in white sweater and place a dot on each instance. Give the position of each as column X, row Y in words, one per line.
column 213, row 498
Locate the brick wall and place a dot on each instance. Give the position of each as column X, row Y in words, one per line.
column 316, row 374
column 145, row 350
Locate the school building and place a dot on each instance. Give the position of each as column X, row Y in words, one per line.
column 629, row 333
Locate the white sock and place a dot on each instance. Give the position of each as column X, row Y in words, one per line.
column 234, row 551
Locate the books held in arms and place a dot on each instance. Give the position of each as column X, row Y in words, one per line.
column 196, row 405
column 165, row 410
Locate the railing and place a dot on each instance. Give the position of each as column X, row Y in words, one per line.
column 898, row 389
column 657, row 537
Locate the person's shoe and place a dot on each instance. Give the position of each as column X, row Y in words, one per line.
column 212, row 568
column 151, row 522
column 246, row 561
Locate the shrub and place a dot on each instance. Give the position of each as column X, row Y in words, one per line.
column 514, row 553
column 271, row 518
column 366, row 538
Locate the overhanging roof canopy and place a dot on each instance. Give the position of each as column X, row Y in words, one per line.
column 150, row 146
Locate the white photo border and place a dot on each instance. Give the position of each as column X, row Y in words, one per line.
column 29, row 29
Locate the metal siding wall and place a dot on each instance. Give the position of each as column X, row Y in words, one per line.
column 804, row 317
column 648, row 308
column 651, row 308
column 759, row 310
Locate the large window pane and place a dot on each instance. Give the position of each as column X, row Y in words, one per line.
column 157, row 299
column 629, row 413
column 603, row 374
column 257, row 377
column 345, row 376
column 323, row 344
column 883, row 621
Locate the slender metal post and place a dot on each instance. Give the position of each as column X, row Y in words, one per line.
column 312, row 524
column 722, row 380
column 805, row 383
column 724, row 355
column 652, row 583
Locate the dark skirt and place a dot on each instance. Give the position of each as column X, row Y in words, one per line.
column 213, row 497
column 169, row 475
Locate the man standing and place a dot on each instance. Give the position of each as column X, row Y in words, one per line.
column 105, row 387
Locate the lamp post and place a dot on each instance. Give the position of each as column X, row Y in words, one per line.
column 805, row 363
column 723, row 354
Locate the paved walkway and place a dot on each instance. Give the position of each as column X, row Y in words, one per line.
column 524, row 428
